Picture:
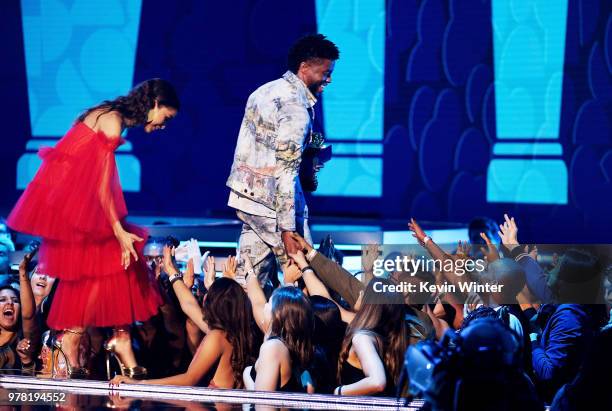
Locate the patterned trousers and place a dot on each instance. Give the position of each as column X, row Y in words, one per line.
column 260, row 241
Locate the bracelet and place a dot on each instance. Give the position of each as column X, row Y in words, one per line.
column 303, row 270
column 311, row 254
column 250, row 272
column 175, row 277
column 426, row 239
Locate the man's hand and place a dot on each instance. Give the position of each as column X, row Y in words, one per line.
column 304, row 245
column 290, row 243
column 417, row 231
column 508, row 233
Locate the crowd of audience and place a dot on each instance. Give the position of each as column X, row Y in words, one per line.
column 327, row 330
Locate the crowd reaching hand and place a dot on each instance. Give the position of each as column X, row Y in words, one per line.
column 188, row 275
column 291, row 271
column 24, row 351
column 230, row 267
column 417, row 231
column 508, row 233
column 463, row 250
column 440, row 325
column 209, row 272
column 490, row 252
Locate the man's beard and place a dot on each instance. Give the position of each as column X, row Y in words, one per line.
column 314, row 88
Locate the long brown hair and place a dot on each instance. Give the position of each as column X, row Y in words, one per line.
column 384, row 315
column 293, row 323
column 135, row 106
column 227, row 308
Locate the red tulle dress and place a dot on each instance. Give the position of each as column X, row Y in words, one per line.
column 71, row 204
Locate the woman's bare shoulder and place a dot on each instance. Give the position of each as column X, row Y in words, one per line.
column 108, row 123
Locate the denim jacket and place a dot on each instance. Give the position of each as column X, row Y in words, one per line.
column 264, row 175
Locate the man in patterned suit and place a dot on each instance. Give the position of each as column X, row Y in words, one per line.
column 264, row 183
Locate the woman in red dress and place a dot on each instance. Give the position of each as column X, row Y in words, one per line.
column 76, row 205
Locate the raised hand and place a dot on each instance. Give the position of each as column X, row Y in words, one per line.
column 508, row 232
column 167, row 263
column 229, row 267
column 188, row 275
column 291, row 272
column 463, row 250
column 490, row 252
column 370, row 254
column 440, row 325
column 417, row 231
column 210, row 273
column 23, row 265
column 299, row 259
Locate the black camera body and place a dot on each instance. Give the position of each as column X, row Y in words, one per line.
column 471, row 369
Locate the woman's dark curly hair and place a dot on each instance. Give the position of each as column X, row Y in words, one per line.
column 310, row 47
column 228, row 308
column 135, row 106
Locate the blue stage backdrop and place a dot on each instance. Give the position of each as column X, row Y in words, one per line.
column 439, row 109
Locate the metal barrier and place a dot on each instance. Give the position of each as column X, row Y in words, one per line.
column 174, row 394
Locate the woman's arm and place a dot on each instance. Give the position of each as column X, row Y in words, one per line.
column 316, row 287
column 189, row 304
column 255, row 294
column 375, row 379
column 207, row 355
column 26, row 296
column 110, row 125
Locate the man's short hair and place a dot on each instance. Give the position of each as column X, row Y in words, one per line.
column 311, row 47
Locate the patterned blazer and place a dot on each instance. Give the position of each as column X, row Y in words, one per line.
column 264, row 175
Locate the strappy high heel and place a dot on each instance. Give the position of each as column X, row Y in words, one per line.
column 138, row 372
column 57, row 349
